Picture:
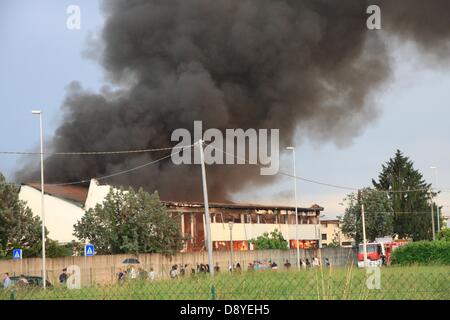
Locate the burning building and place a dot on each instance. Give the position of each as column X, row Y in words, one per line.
column 243, row 222
column 66, row 205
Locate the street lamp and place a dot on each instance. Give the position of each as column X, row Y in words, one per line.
column 296, row 209
column 44, row 275
column 230, row 225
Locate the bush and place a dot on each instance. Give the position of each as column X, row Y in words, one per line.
column 274, row 240
column 422, row 252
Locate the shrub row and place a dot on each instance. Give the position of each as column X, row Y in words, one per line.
column 423, row 252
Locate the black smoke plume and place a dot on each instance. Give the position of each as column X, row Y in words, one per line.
column 310, row 65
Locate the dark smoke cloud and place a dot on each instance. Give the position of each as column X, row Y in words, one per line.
column 311, row 64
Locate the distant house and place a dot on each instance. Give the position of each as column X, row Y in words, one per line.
column 332, row 233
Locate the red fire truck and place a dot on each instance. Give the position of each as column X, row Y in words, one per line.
column 378, row 252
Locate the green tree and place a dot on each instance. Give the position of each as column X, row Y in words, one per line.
column 274, row 240
column 18, row 227
column 53, row 249
column 378, row 215
column 335, row 240
column 410, row 208
column 444, row 234
column 130, row 222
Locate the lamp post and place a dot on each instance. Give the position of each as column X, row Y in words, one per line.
column 296, row 209
column 437, row 206
column 230, row 225
column 44, row 271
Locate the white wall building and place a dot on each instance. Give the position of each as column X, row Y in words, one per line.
column 63, row 208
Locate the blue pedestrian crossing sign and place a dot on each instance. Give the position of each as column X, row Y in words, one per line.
column 89, row 250
column 17, row 254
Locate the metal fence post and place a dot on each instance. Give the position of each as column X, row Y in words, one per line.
column 213, row 292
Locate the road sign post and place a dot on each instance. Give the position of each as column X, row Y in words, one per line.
column 89, row 251
column 17, row 254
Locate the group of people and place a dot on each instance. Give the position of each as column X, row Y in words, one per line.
column 131, row 272
column 307, row 264
column 7, row 282
column 262, row 265
column 180, row 270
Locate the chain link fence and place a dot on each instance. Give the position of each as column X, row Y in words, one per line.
column 262, row 282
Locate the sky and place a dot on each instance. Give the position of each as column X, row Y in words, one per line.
column 40, row 56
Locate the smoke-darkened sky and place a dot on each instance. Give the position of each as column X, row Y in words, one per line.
column 278, row 64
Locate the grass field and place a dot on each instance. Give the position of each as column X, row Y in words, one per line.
column 416, row 282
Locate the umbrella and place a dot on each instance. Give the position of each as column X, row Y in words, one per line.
column 131, row 261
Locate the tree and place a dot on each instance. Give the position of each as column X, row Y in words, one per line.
column 335, row 240
column 444, row 234
column 378, row 215
column 410, row 208
column 130, row 222
column 18, row 227
column 274, row 240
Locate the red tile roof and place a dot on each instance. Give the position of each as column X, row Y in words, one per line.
column 72, row 193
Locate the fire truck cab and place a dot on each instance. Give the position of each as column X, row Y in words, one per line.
column 378, row 252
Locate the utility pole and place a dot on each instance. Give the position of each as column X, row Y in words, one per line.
column 364, row 229
column 230, row 225
column 432, row 221
column 44, row 271
column 437, row 205
column 207, row 218
column 296, row 209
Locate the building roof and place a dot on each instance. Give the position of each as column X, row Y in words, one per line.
column 73, row 193
column 79, row 194
column 239, row 206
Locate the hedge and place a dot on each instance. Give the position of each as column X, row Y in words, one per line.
column 422, row 252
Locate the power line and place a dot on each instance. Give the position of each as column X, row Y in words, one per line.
column 347, row 188
column 122, row 172
column 325, row 183
column 116, row 173
column 90, row 152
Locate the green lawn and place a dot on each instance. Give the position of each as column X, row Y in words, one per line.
column 416, row 282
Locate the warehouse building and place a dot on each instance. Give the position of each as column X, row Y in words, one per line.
column 65, row 205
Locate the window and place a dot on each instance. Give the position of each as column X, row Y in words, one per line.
column 324, row 236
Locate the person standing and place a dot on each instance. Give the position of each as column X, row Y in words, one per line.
column 23, row 282
column 307, row 263
column 6, row 280
column 152, row 274
column 63, row 276
column 174, row 272
column 315, row 262
column 287, row 264
column 121, row 276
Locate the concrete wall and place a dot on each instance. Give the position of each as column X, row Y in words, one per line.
column 60, row 214
column 103, row 269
